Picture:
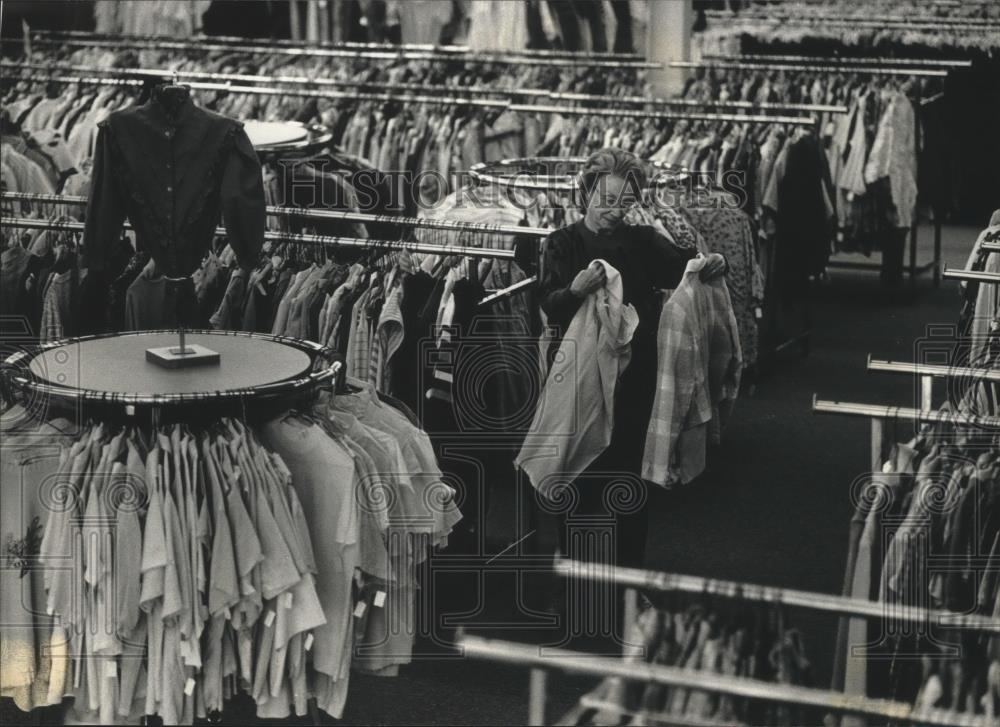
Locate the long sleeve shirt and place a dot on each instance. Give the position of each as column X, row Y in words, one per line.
column 646, row 260
column 171, row 168
column 698, row 373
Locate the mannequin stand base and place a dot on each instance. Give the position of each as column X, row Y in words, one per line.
column 173, row 357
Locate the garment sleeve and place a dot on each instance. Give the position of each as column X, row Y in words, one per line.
column 243, row 205
column 555, row 274
column 105, row 207
column 666, row 260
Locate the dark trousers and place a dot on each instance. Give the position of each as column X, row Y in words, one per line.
column 605, row 514
column 893, row 252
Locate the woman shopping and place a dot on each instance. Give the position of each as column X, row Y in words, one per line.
column 618, row 270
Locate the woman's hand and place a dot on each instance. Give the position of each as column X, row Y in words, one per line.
column 715, row 267
column 588, row 280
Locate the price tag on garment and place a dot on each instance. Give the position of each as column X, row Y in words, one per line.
column 380, row 599
column 189, row 687
column 359, row 610
column 309, row 642
column 49, row 611
column 111, row 669
column 357, row 577
column 887, row 467
column 758, row 313
column 269, row 619
column 228, row 614
column 286, row 599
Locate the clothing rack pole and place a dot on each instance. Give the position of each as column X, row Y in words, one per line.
column 903, row 413
column 301, row 239
column 421, row 88
column 458, row 50
column 603, row 666
column 749, row 105
column 827, row 603
column 273, row 80
column 878, row 70
column 626, row 113
column 275, row 211
column 890, row 23
column 508, row 291
column 387, row 55
column 929, row 372
column 444, row 101
column 265, row 91
column 971, row 275
column 845, row 61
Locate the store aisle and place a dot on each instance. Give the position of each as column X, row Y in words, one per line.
column 773, row 509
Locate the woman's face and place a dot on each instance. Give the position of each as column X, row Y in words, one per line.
column 611, row 199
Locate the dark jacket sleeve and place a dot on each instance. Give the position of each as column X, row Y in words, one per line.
column 555, row 275
column 105, row 207
column 666, row 260
column 243, row 205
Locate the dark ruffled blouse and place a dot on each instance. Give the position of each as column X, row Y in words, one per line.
column 172, row 168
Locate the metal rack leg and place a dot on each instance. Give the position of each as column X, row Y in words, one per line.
column 913, row 255
column 536, row 705
column 937, row 252
column 878, row 437
column 926, row 393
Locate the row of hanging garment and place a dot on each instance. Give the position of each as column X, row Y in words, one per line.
column 55, row 127
column 733, row 639
column 871, row 151
column 41, row 281
column 926, row 532
column 223, row 559
column 802, row 24
column 979, row 320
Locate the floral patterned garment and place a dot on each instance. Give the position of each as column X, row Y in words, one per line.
column 726, row 230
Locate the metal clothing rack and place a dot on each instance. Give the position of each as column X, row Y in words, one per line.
column 747, row 66
column 822, row 602
column 384, row 55
column 443, row 101
column 458, row 50
column 838, row 61
column 929, row 372
column 633, row 114
column 320, row 214
column 603, row 666
column 264, row 91
column 509, row 93
column 867, row 65
column 301, row 239
column 508, row 291
column 976, row 276
column 880, row 415
column 867, row 22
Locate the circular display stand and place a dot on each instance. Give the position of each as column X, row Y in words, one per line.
column 285, row 136
column 114, row 369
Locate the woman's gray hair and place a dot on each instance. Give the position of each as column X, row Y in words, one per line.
column 609, row 161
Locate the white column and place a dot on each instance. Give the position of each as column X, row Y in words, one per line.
column 668, row 38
